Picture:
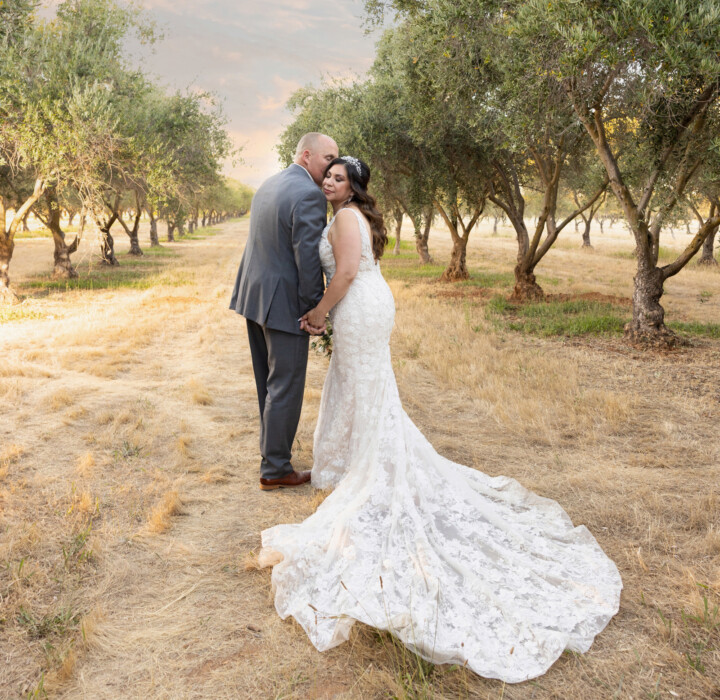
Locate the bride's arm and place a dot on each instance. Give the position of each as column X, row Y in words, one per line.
column 347, row 249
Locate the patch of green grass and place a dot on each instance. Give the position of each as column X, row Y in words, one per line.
column 566, row 318
column 161, row 252
column 482, row 278
column 15, row 313
column 38, row 233
column 407, row 268
column 62, row 622
column 695, row 328
column 400, row 270
column 405, row 246
column 198, row 234
column 664, row 254
column 132, row 273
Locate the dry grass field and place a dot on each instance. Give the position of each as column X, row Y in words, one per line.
column 130, row 512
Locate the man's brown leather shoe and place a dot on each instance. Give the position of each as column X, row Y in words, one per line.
column 292, row 479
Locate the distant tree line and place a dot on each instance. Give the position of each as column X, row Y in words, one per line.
column 540, row 113
column 82, row 133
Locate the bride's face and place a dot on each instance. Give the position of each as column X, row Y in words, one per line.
column 336, row 186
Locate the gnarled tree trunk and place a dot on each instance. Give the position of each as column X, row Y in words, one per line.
column 107, row 246
column 586, row 234
column 7, row 239
column 707, row 257
column 170, row 231
column 7, row 246
column 648, row 322
column 154, row 240
column 63, row 267
column 421, row 239
column 526, row 287
column 457, row 270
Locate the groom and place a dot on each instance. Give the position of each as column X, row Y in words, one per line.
column 280, row 278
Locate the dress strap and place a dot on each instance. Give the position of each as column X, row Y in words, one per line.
column 361, row 223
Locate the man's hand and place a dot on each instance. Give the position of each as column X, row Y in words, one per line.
column 313, row 322
column 312, row 330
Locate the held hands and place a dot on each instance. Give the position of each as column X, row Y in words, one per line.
column 313, row 322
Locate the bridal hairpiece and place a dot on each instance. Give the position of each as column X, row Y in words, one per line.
column 354, row 162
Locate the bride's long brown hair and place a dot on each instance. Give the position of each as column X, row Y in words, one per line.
column 358, row 177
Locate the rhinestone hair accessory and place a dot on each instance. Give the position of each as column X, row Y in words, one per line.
column 354, row 162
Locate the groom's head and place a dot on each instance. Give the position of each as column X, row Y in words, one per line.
column 314, row 152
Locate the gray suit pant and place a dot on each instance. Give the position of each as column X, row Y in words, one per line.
column 279, row 363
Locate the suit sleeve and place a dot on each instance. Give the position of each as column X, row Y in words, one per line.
column 308, row 222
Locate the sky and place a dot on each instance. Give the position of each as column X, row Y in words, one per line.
column 254, row 54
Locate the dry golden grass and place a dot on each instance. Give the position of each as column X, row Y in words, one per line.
column 128, row 398
column 85, row 464
column 199, row 393
column 161, row 515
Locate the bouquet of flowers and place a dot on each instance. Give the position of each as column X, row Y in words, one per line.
column 322, row 344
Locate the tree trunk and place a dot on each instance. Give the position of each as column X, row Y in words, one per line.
column 577, row 225
column 107, row 247
column 135, row 248
column 7, row 245
column 526, row 287
column 181, row 228
column 495, row 223
column 170, row 231
column 63, row 267
column 398, row 226
column 707, row 257
column 204, row 218
column 421, row 241
column 457, row 269
column 154, row 240
column 647, row 327
column 25, row 228
column 602, row 225
column 191, row 226
column 586, row 234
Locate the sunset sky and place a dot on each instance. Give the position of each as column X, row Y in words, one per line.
column 254, row 54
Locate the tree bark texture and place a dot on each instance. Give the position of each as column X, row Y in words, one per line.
column 647, row 327
column 398, row 216
column 421, row 240
column 154, row 240
column 586, row 234
column 107, row 247
column 707, row 257
column 457, row 270
column 526, row 287
column 6, row 251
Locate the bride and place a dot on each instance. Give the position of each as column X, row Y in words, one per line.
column 462, row 567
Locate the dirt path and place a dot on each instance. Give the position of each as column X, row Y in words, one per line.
column 129, row 506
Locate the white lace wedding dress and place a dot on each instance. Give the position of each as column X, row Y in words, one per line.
column 462, row 567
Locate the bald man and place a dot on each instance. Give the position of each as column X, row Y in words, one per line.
column 280, row 278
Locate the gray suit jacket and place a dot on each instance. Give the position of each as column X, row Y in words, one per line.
column 280, row 276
